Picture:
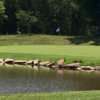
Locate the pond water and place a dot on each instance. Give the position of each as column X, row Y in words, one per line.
column 38, row 79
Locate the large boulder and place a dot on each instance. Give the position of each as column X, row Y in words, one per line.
column 71, row 66
column 20, row 62
column 59, row 63
column 44, row 63
column 9, row 61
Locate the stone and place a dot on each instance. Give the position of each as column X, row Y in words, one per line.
column 53, row 67
column 36, row 61
column 1, row 60
column 60, row 62
column 50, row 64
column 20, row 62
column 79, row 68
column 9, row 61
column 72, row 66
column 30, row 62
column 87, row 68
column 44, row 63
column 97, row 67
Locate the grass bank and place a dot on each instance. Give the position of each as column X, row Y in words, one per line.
column 88, row 55
column 81, row 95
column 51, row 47
column 48, row 39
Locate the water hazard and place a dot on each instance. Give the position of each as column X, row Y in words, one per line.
column 38, row 79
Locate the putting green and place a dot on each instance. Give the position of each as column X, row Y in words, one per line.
column 88, row 51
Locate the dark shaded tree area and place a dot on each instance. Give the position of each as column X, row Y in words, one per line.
column 74, row 17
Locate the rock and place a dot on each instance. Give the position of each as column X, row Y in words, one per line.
column 20, row 62
column 87, row 68
column 36, row 61
column 60, row 62
column 1, row 60
column 89, row 71
column 97, row 67
column 44, row 63
column 53, row 67
column 9, row 61
column 50, row 64
column 79, row 68
column 72, row 66
column 30, row 62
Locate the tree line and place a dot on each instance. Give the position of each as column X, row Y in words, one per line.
column 74, row 17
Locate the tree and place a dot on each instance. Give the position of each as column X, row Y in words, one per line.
column 11, row 7
column 26, row 19
column 91, row 8
column 2, row 15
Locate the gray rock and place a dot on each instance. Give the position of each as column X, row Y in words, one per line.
column 97, row 67
column 44, row 63
column 36, row 61
column 50, row 64
column 72, row 66
column 9, row 61
column 53, row 67
column 30, row 62
column 87, row 68
column 20, row 62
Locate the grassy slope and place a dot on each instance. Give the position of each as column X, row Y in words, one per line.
column 48, row 39
column 83, row 95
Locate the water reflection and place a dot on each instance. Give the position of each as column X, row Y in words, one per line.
column 27, row 79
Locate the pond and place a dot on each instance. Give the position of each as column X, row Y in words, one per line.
column 39, row 79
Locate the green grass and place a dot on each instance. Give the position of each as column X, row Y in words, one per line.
column 48, row 39
column 87, row 51
column 79, row 95
column 88, row 55
column 48, row 47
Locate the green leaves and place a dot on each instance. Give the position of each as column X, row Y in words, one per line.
column 26, row 19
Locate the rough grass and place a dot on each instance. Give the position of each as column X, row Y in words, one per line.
column 83, row 95
column 48, row 39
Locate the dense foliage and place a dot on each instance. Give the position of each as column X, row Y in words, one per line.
column 74, row 17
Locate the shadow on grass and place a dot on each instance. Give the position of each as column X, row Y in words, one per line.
column 89, row 40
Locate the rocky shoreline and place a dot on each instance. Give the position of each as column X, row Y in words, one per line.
column 52, row 65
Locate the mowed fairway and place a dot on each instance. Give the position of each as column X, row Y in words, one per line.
column 87, row 51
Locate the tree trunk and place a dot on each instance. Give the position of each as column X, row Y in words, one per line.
column 28, row 28
column 99, row 27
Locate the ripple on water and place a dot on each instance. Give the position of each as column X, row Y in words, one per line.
column 38, row 79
